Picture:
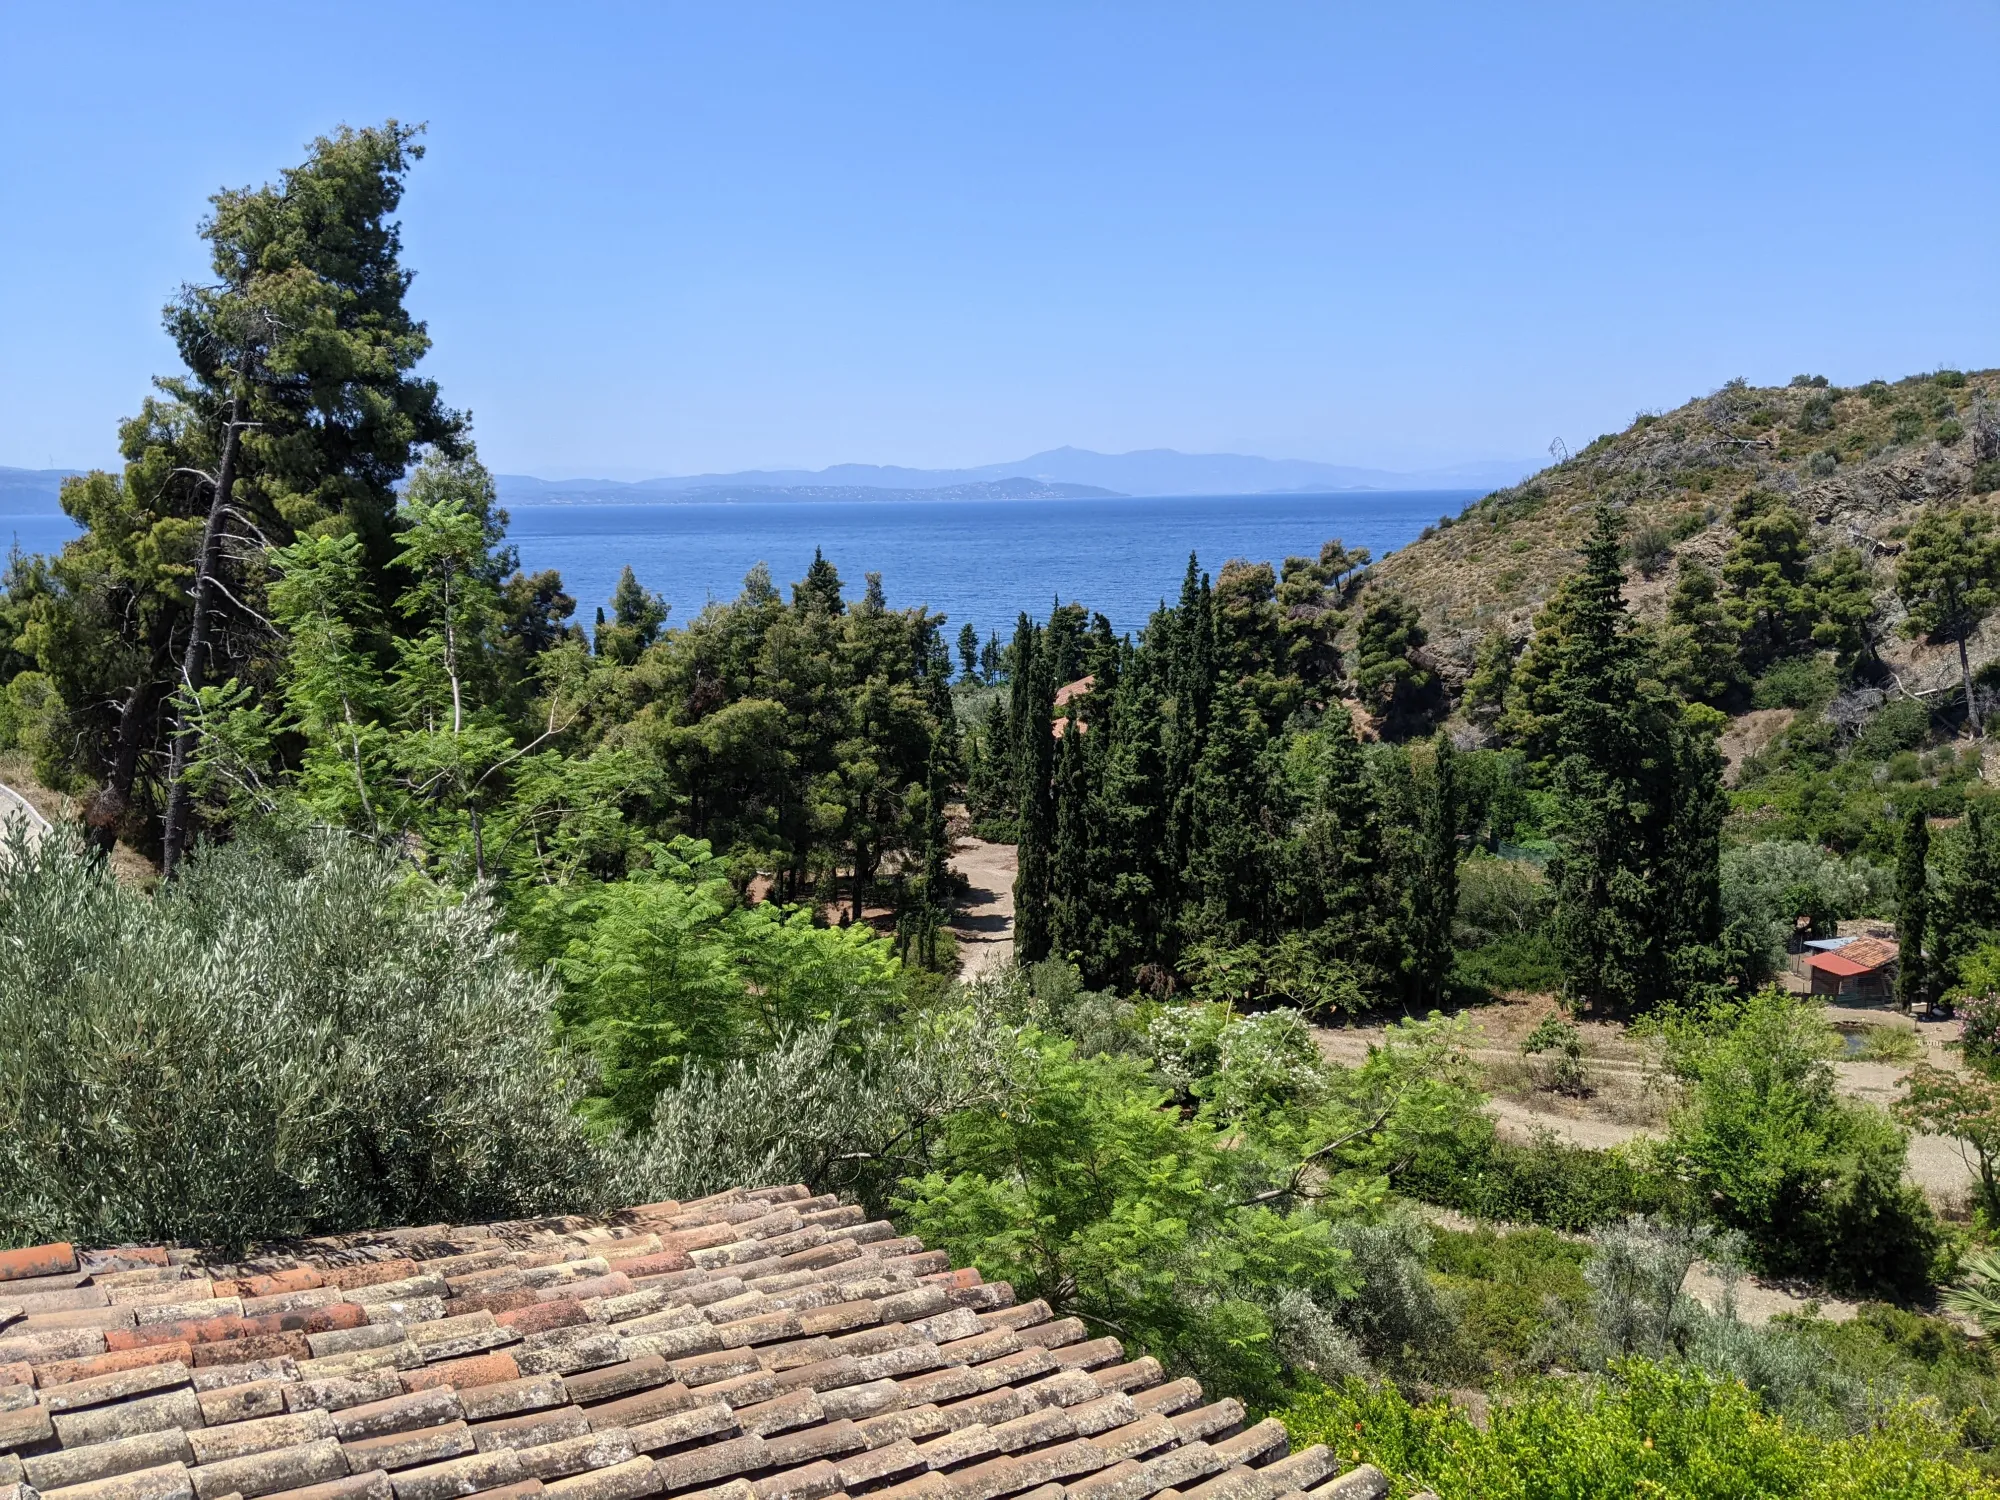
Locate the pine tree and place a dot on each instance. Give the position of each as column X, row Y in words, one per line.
column 1912, row 908
column 1390, row 676
column 819, row 591
column 968, row 652
column 1843, row 606
column 1034, row 756
column 1701, row 640
column 1492, row 676
column 990, row 666
column 1949, row 579
column 1766, row 574
column 637, row 615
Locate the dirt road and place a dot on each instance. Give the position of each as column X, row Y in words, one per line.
column 984, row 926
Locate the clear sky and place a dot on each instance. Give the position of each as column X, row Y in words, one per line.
column 677, row 238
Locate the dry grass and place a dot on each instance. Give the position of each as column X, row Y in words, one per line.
column 129, row 865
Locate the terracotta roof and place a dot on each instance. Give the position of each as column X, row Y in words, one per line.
column 1861, row 956
column 757, row 1345
column 1870, row 952
column 1075, row 689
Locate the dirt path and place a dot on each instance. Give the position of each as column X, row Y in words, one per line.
column 984, row 926
column 17, row 812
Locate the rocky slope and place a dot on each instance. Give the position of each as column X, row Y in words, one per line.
column 1860, row 463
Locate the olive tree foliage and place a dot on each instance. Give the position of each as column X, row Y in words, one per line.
column 279, row 1043
column 1766, row 887
column 817, row 1108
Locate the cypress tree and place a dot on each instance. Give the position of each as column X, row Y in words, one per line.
column 1034, row 755
column 1966, row 907
column 1131, row 923
column 1228, row 876
column 1190, row 685
column 1434, row 886
column 1912, row 907
column 1341, row 887
column 1616, row 739
column 1072, row 879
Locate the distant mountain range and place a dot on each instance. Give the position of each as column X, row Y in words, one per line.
column 1059, row 474
column 30, row 491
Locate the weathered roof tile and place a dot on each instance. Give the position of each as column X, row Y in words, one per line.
column 760, row 1345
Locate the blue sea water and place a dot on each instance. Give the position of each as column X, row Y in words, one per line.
column 978, row 560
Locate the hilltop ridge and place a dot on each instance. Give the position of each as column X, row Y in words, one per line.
column 1860, row 463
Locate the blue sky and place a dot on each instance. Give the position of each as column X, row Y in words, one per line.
column 676, row 238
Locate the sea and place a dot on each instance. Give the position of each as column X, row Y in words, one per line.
column 983, row 561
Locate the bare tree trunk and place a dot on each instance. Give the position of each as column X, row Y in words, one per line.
column 194, row 664
column 108, row 808
column 1971, row 709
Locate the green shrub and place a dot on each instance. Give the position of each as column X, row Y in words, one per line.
column 1906, row 424
column 1895, row 1350
column 1950, row 430
column 1660, row 1431
column 277, row 1044
column 1509, row 1286
column 1986, row 476
column 1802, row 682
column 1650, row 548
column 1519, row 964
column 1549, row 1183
column 1812, row 1181
column 1901, row 724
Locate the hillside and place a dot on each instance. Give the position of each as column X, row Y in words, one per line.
column 1859, row 463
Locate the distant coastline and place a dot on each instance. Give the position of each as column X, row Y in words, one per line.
column 748, row 494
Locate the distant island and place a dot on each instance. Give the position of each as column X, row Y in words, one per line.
column 1018, row 488
column 1056, row 474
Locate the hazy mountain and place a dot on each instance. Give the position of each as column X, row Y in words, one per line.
column 30, row 490
column 1152, row 471
column 985, row 489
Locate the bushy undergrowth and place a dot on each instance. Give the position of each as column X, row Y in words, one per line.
column 1550, row 1182
column 275, row 1044
column 1662, row 1431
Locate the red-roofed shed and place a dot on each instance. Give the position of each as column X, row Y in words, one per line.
column 1863, row 970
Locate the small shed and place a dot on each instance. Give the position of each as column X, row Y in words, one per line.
column 1859, row 969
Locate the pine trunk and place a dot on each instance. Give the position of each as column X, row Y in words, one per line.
column 194, row 664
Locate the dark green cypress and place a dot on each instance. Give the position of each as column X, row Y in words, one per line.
column 1072, row 878
column 1912, row 907
column 1190, row 685
column 1434, row 886
column 1616, row 739
column 1034, row 746
column 1228, row 886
